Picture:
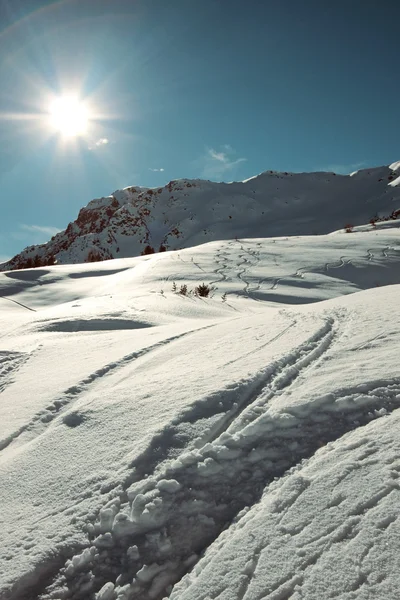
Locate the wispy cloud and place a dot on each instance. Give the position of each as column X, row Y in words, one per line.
column 157, row 170
column 99, row 143
column 343, row 169
column 41, row 229
column 217, row 163
column 33, row 234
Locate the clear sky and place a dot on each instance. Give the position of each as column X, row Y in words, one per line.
column 221, row 89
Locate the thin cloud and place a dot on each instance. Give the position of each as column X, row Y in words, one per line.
column 343, row 169
column 41, row 229
column 217, row 163
column 99, row 143
column 157, row 170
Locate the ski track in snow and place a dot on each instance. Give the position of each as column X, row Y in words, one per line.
column 10, row 362
column 138, row 534
column 43, row 419
column 18, row 303
column 222, row 258
column 245, row 266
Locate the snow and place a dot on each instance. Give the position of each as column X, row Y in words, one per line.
column 238, row 446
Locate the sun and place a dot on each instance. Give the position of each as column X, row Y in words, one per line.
column 69, row 116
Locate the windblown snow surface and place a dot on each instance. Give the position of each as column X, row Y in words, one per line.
column 244, row 446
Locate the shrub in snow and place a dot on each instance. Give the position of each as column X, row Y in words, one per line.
column 202, row 290
column 36, row 261
column 183, row 290
column 94, row 256
column 349, row 228
column 393, row 216
column 148, row 250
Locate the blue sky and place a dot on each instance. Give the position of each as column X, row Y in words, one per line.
column 187, row 88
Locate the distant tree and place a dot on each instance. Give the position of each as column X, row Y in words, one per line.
column 148, row 250
column 94, row 256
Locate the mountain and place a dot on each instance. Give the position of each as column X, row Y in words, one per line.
column 186, row 213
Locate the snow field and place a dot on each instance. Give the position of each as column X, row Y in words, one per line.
column 147, row 435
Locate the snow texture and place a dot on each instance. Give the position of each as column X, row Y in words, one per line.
column 240, row 446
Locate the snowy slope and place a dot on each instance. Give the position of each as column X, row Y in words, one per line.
column 186, row 213
column 242, row 446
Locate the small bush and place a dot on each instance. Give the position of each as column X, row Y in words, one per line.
column 37, row 261
column 349, row 228
column 94, row 256
column 202, row 290
column 147, row 250
column 183, row 290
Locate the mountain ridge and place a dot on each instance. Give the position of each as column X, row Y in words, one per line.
column 187, row 212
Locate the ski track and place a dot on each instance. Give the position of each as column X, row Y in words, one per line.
column 249, row 572
column 221, row 259
column 197, row 265
column 19, row 303
column 43, row 418
column 246, row 266
column 301, row 271
column 10, row 363
column 138, row 534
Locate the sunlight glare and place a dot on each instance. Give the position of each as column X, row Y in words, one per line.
column 69, row 116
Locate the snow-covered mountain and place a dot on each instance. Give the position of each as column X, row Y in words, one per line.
column 241, row 445
column 186, row 213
